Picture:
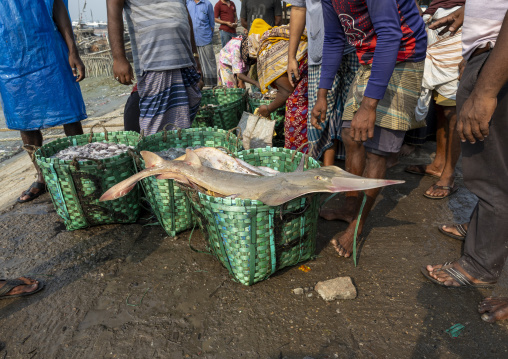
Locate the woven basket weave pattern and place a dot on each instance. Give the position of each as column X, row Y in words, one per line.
column 75, row 189
column 230, row 104
column 170, row 204
column 253, row 240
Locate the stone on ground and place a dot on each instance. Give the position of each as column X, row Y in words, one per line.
column 337, row 288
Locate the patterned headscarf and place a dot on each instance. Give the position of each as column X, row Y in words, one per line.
column 245, row 52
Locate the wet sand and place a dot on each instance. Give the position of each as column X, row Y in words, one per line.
column 130, row 291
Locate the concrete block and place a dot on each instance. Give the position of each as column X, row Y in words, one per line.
column 337, row 288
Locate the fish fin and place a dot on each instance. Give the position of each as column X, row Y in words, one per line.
column 301, row 165
column 192, row 158
column 151, row 159
column 174, row 176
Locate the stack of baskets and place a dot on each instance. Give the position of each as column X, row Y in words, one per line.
column 167, row 200
column 76, row 186
column 253, row 240
column 221, row 108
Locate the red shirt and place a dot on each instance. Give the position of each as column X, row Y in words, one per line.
column 225, row 13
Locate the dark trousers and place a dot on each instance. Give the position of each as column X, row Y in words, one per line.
column 131, row 113
column 485, row 168
column 226, row 36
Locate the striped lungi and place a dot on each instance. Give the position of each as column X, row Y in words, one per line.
column 323, row 139
column 396, row 110
column 171, row 96
column 208, row 64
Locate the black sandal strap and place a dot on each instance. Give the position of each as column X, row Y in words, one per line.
column 9, row 285
column 460, row 228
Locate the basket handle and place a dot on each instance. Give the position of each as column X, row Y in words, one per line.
column 227, row 151
column 75, row 162
column 31, row 149
column 239, row 137
column 178, row 131
column 305, row 156
column 134, row 156
column 91, row 132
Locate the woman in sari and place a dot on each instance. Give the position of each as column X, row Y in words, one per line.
column 235, row 63
column 272, row 62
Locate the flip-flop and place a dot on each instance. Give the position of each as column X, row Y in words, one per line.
column 419, row 170
column 13, row 283
column 451, row 190
column 456, row 276
column 459, row 227
column 31, row 196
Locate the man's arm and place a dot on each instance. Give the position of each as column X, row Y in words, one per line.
column 243, row 15
column 386, row 21
column 333, row 49
column 122, row 69
column 211, row 17
column 61, row 18
column 278, row 12
column 296, row 27
column 477, row 111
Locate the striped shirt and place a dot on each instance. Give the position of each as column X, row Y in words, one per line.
column 160, row 34
column 482, row 23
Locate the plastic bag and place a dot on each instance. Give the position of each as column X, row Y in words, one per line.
column 37, row 87
column 257, row 131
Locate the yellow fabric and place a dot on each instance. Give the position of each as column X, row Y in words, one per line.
column 272, row 55
column 442, row 100
column 259, row 27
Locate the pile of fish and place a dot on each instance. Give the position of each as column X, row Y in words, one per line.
column 95, row 150
column 173, row 153
column 211, row 171
column 270, row 95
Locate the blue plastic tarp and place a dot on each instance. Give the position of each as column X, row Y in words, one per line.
column 37, row 87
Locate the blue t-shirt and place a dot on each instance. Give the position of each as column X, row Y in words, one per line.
column 203, row 21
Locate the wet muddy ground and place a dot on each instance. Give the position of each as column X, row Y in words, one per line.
column 130, row 291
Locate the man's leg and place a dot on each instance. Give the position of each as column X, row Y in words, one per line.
column 32, row 140
column 448, row 150
column 375, row 167
column 485, row 171
column 355, row 164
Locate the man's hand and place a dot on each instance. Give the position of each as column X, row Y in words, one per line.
column 77, row 66
column 122, row 71
column 293, row 71
column 451, row 22
column 318, row 114
column 474, row 118
column 364, row 120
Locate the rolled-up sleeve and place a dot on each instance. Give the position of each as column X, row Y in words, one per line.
column 333, row 46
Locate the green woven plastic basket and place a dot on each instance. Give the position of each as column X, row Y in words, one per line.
column 76, row 186
column 253, row 240
column 221, row 108
column 278, row 115
column 170, row 204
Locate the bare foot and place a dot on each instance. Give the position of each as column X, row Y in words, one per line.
column 425, row 170
column 458, row 230
column 343, row 244
column 406, row 150
column 442, row 188
column 345, row 214
column 494, row 309
column 436, row 273
column 30, row 286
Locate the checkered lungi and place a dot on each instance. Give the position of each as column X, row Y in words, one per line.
column 322, row 140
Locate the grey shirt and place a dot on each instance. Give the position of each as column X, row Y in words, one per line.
column 160, row 34
column 261, row 9
column 316, row 30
